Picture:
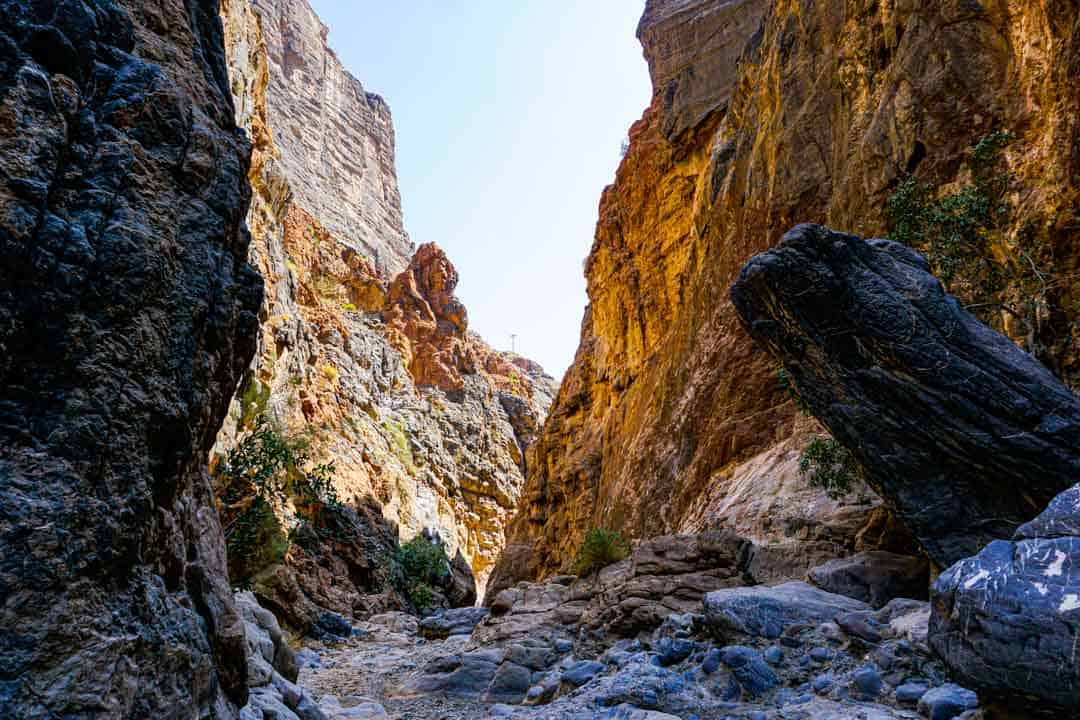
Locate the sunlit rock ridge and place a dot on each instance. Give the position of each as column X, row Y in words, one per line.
column 765, row 115
column 364, row 351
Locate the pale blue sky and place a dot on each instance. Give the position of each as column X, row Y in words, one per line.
column 509, row 117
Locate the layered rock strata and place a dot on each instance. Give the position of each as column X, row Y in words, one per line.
column 964, row 434
column 670, row 418
column 365, row 354
column 336, row 139
column 127, row 316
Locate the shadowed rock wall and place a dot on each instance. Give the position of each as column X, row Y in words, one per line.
column 127, row 315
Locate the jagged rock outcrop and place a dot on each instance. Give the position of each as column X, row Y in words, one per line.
column 127, row 315
column 963, row 433
column 336, row 140
column 1005, row 619
column 670, row 418
column 372, row 369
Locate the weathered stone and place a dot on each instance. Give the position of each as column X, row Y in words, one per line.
column 1005, row 619
column 763, row 611
column 875, row 577
column 886, row 359
column 456, row 621
column 755, row 676
column 127, row 314
column 947, row 702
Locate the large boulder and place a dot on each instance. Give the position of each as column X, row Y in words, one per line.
column 964, row 434
column 128, row 313
column 764, row 611
column 875, row 577
column 1008, row 619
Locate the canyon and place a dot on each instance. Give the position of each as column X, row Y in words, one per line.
column 203, row 247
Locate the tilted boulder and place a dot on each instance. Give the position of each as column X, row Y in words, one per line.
column 1007, row 619
column 962, row 432
column 127, row 314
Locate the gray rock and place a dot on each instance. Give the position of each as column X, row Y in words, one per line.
column 875, row 577
column 910, row 693
column 748, row 667
column 885, row 359
column 867, row 682
column 711, row 663
column 823, row 683
column 763, row 611
column 582, row 672
column 673, row 650
column 455, row 621
column 510, row 684
column 820, row 654
column 774, row 655
column 1005, row 620
column 947, row 702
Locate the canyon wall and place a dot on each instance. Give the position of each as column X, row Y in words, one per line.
column 670, row 418
column 127, row 316
column 365, row 355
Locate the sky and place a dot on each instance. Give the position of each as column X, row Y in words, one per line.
column 509, row 116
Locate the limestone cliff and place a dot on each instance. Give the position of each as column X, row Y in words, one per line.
column 372, row 369
column 336, row 141
column 127, row 316
column 670, row 418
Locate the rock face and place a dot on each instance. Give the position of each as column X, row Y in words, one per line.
column 127, row 315
column 670, row 418
column 336, row 140
column 372, row 369
column 1005, row 619
column 962, row 432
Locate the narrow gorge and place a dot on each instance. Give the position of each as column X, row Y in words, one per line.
column 817, row 455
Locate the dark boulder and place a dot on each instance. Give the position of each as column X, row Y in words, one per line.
column 875, row 577
column 128, row 313
column 1008, row 619
column 764, row 611
column 964, row 434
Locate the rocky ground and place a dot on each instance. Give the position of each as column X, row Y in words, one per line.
column 678, row 630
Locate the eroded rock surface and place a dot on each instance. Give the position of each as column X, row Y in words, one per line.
column 670, row 419
column 127, row 315
column 1005, row 619
column 365, row 355
column 964, row 434
column 336, row 140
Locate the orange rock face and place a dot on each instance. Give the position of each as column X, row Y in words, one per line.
column 670, row 419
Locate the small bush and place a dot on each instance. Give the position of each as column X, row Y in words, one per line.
column 828, row 465
column 417, row 567
column 599, row 549
column 349, row 307
column 262, row 472
column 331, row 373
column 400, row 442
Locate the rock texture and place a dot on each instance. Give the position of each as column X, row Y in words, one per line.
column 336, row 140
column 127, row 315
column 1005, row 619
column 670, row 417
column 788, row 652
column 372, row 369
column 962, row 432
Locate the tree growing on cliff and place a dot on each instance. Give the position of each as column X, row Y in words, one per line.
column 258, row 478
column 417, row 567
column 1002, row 275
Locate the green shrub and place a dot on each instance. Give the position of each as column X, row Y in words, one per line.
column 599, row 549
column 828, row 465
column 965, row 236
column 400, row 442
column 417, row 567
column 261, row 472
